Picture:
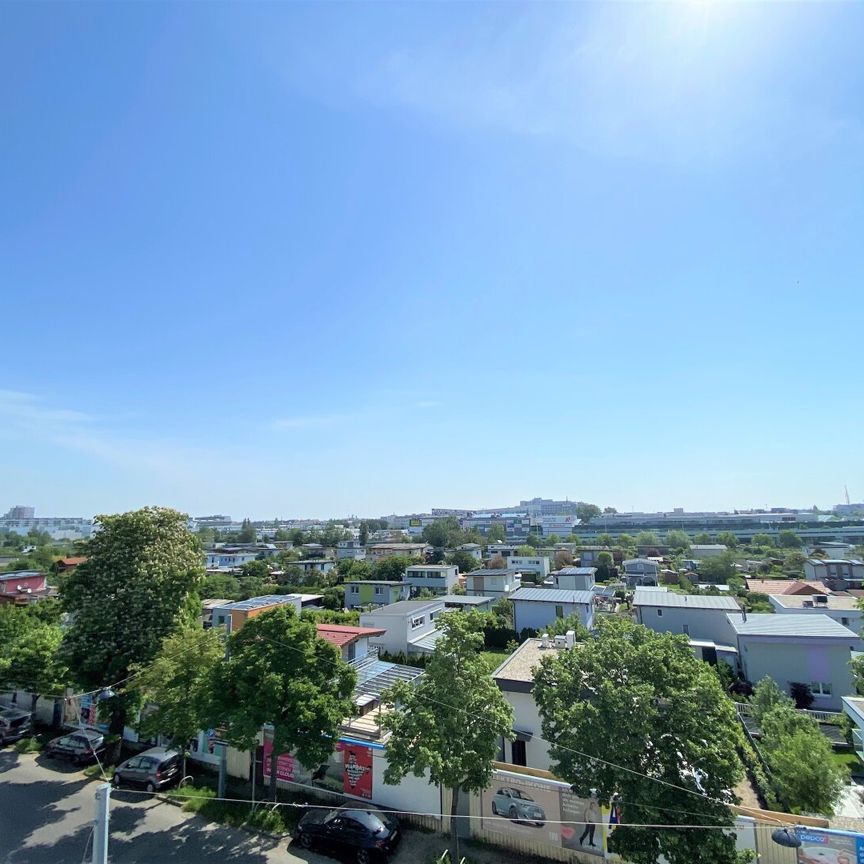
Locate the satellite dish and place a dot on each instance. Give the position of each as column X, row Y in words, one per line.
column 785, row 837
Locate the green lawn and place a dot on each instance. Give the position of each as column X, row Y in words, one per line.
column 493, row 659
column 848, row 760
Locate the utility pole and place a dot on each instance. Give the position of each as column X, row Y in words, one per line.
column 100, row 826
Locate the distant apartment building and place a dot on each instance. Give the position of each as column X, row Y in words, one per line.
column 21, row 512
column 836, row 573
column 548, row 507
column 515, row 525
column 438, row 578
column 22, row 520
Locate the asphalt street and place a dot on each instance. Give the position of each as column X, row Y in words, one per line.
column 47, row 809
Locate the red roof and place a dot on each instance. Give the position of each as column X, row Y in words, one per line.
column 787, row 586
column 341, row 635
column 74, row 561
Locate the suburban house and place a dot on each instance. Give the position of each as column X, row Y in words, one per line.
column 24, row 586
column 374, row 592
column 352, row 642
column 809, row 649
column 409, row 626
column 786, row 586
column 843, row 608
column 538, row 564
column 836, row 573
column 64, row 565
column 587, row 555
column 640, row 571
column 700, row 551
column 473, row 549
column 232, row 616
column 575, row 578
column 352, row 549
column 315, row 565
column 439, row 578
column 515, row 679
column 463, row 601
column 537, row 608
column 227, row 559
column 701, row 617
column 378, row 551
column 492, row 582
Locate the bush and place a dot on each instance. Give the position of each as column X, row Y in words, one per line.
column 28, row 745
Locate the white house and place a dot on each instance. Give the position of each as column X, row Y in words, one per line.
column 808, row 649
column 537, row 608
column 311, row 565
column 538, row 564
column 492, row 583
column 835, row 572
column 640, row 571
column 473, row 549
column 440, row 578
column 352, row 549
column 352, row 642
column 701, row 617
column 575, row 578
column 409, row 626
column 843, row 608
column 228, row 560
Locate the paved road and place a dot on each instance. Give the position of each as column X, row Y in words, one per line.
column 46, row 813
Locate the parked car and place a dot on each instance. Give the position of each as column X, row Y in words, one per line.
column 14, row 724
column 517, row 806
column 364, row 834
column 81, row 746
column 153, row 769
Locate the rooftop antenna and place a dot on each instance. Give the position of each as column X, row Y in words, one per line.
column 846, row 490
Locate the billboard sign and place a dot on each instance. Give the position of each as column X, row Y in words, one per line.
column 285, row 764
column 823, row 846
column 356, row 769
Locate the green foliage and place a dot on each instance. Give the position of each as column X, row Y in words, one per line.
column 728, row 539
column 435, row 534
column 220, row 585
column 552, row 539
column 762, row 540
column 137, row 587
column 605, row 540
column 177, row 684
column 718, row 569
column 526, row 550
column 767, row 696
column 788, row 540
column 331, row 616
column 454, row 738
column 247, row 533
column 702, row 537
column 28, row 745
column 857, row 666
column 364, row 533
column 560, row 626
column 586, row 512
column 393, row 567
column 279, row 672
column 793, row 563
column 799, row 758
column 647, row 538
column 678, row 541
column 618, row 698
column 496, row 533
column 465, row 561
column 758, row 777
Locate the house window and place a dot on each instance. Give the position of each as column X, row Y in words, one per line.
column 845, row 622
column 686, row 628
column 417, row 622
column 559, row 613
column 379, row 590
column 519, row 753
column 660, row 613
column 355, row 589
column 820, row 688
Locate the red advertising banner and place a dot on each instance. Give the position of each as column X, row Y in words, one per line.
column 356, row 769
column 284, row 763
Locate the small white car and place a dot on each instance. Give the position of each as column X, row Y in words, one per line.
column 517, row 806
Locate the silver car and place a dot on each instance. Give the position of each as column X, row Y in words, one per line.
column 517, row 806
column 153, row 769
column 14, row 724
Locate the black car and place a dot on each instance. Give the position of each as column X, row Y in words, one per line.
column 15, row 724
column 84, row 745
column 363, row 835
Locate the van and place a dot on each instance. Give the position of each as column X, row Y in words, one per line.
column 153, row 769
column 14, row 724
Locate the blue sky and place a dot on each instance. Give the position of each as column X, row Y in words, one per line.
column 323, row 259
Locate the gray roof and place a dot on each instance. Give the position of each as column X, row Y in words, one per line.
column 374, row 676
column 464, row 599
column 553, row 595
column 428, row 641
column 493, row 571
column 373, row 582
column 406, row 607
column 767, row 624
column 577, row 571
column 669, row 599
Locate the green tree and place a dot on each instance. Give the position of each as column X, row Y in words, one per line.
column 456, row 741
column 702, row 537
column 767, row 695
column 718, row 568
column 586, row 512
column 762, row 540
column 609, row 510
column 220, row 585
column 392, row 567
column 627, row 541
column 364, row 533
column 678, row 541
column 800, row 759
column 788, row 540
column 435, row 534
column 604, row 566
column 605, row 540
column 247, row 533
column 857, row 666
column 618, row 701
column 465, row 561
column 137, row 587
column 728, row 539
column 496, row 533
column 279, row 672
column 255, row 570
column 647, row 538
column 526, row 550
column 793, row 563
column 534, row 541
column 552, row 539
column 177, row 685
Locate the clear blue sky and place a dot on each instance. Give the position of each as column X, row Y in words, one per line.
column 321, row 259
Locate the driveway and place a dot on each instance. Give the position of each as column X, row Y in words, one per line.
column 47, row 808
